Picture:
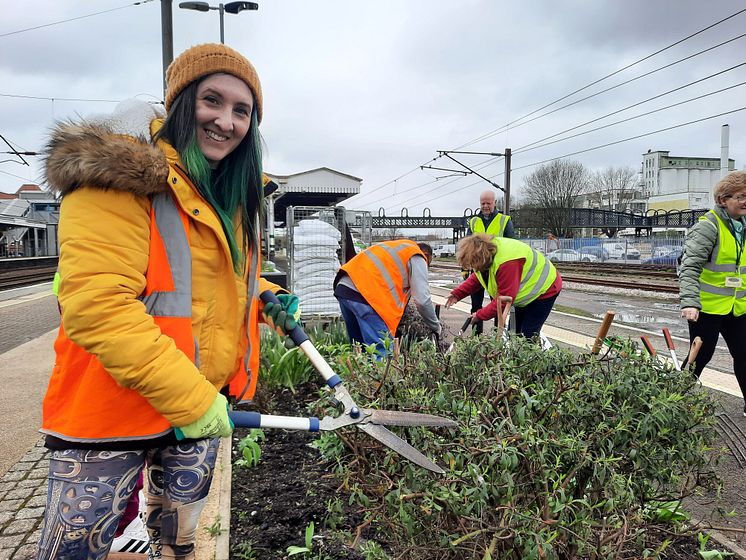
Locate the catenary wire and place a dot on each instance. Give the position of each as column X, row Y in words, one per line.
column 508, row 125
column 59, row 98
column 479, row 167
column 16, row 176
column 526, row 147
column 631, row 138
column 646, row 74
column 586, row 150
column 72, row 19
column 534, row 147
column 599, row 80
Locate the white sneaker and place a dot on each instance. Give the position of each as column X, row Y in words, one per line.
column 134, row 538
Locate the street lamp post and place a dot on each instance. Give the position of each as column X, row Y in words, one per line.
column 230, row 7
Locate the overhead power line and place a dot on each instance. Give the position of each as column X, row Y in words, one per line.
column 481, row 165
column 529, row 146
column 17, row 176
column 632, row 138
column 508, row 125
column 372, row 191
column 631, row 118
column 606, row 145
column 646, row 74
column 599, row 80
column 59, row 98
column 72, row 19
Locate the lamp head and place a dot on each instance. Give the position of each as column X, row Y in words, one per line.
column 235, row 7
column 199, row 6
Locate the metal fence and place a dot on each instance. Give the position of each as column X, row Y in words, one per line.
column 643, row 250
column 360, row 223
column 316, row 246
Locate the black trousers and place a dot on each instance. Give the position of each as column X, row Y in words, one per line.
column 530, row 319
column 733, row 329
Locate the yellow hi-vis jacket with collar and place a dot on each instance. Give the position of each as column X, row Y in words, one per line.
column 537, row 276
column 726, row 260
column 497, row 225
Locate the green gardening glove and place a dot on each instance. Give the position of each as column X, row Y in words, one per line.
column 213, row 423
column 283, row 317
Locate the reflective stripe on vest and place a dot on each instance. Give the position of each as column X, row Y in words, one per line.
column 714, row 297
column 381, row 275
column 537, row 276
column 80, row 389
column 245, row 385
column 497, row 225
column 176, row 302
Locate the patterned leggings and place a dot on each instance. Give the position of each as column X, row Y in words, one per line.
column 89, row 490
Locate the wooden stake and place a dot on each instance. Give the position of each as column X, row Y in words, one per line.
column 602, row 332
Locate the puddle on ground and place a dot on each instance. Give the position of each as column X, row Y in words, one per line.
column 636, row 318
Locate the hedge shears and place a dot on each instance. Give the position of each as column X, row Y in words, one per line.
column 371, row 421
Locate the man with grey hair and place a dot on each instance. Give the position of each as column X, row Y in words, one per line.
column 488, row 220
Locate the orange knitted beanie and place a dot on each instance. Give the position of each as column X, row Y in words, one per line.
column 211, row 58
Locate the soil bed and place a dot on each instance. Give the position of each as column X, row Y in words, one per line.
column 273, row 502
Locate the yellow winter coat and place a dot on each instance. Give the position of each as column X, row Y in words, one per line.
column 106, row 181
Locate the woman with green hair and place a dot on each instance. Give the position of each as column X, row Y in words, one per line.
column 158, row 291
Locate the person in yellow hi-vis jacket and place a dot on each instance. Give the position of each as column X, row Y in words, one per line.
column 492, row 222
column 158, row 289
column 713, row 276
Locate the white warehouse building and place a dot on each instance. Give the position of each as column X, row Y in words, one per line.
column 680, row 183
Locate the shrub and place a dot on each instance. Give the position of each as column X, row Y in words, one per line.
column 556, row 456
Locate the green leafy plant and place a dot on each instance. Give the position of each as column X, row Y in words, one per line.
column 293, row 550
column 283, row 367
column 709, row 554
column 335, row 513
column 373, row 551
column 556, row 456
column 215, row 529
column 249, row 448
column 245, row 551
column 666, row 511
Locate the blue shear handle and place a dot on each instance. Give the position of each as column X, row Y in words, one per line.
column 297, row 334
column 244, row 419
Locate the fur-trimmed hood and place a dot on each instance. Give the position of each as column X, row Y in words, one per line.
column 109, row 152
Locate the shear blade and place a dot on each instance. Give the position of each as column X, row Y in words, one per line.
column 391, row 440
column 394, row 418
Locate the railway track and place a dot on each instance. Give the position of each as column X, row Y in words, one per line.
column 18, row 278
column 627, row 276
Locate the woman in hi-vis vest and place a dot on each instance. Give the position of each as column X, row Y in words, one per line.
column 713, row 276
column 508, row 267
column 159, row 284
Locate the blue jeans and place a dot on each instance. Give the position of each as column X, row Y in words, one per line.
column 364, row 325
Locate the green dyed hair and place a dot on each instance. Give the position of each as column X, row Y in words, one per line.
column 235, row 187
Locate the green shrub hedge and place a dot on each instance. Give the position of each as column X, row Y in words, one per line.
column 557, row 455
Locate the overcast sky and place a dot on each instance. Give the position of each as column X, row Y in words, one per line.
column 374, row 88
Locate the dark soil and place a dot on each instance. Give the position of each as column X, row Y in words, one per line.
column 273, row 502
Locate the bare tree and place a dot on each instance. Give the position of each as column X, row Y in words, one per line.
column 386, row 234
column 553, row 189
column 613, row 188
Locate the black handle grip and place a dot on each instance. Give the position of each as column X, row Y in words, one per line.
column 466, row 324
column 297, row 334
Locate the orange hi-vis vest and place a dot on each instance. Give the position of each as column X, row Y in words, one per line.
column 381, row 275
column 83, row 401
